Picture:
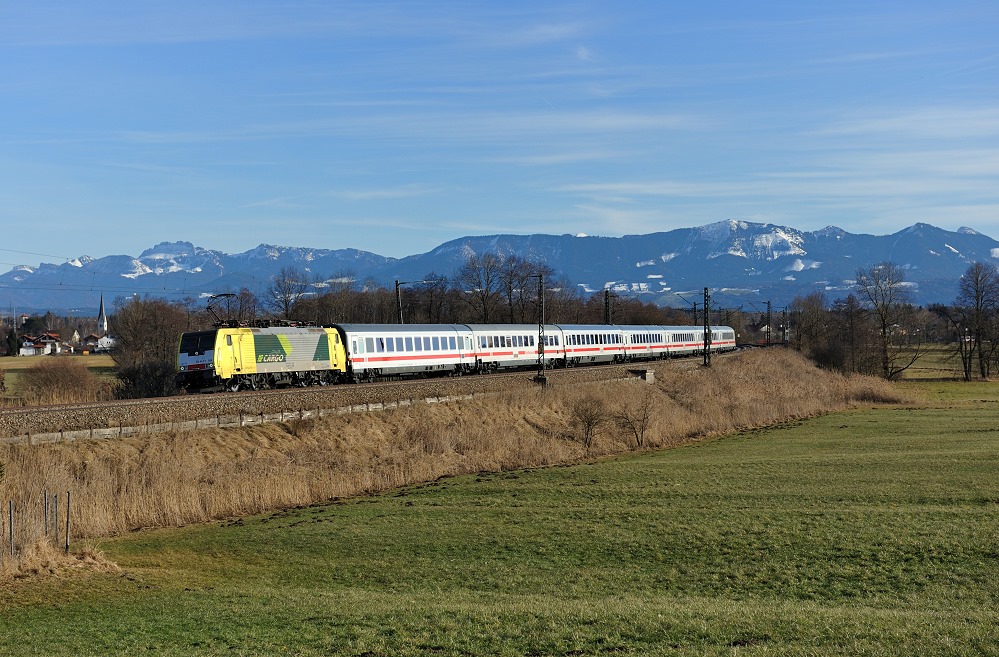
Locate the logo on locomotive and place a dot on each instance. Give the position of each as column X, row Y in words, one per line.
column 271, row 358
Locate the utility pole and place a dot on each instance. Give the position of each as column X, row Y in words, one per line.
column 607, row 306
column 540, row 378
column 707, row 328
column 693, row 305
column 769, row 322
column 398, row 295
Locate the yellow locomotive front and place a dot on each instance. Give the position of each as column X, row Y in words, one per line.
column 254, row 358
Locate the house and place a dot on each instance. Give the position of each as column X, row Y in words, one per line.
column 97, row 344
column 44, row 344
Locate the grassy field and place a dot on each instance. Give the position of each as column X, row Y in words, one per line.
column 939, row 362
column 869, row 532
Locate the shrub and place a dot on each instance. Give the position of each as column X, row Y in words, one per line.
column 150, row 379
column 56, row 380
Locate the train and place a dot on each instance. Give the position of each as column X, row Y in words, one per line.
column 254, row 358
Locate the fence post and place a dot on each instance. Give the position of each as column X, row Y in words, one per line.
column 55, row 520
column 10, row 526
column 67, row 522
column 45, row 506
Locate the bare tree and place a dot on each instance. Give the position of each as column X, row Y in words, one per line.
column 812, row 324
column 286, row 289
column 850, row 336
column 480, row 278
column 428, row 299
column 883, row 290
column 335, row 295
column 978, row 301
column 519, row 288
column 145, row 329
column 636, row 415
column 589, row 413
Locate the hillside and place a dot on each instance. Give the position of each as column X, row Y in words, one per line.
column 742, row 263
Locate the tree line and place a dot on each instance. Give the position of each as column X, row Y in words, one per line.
column 877, row 330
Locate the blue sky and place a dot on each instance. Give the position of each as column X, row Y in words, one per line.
column 395, row 126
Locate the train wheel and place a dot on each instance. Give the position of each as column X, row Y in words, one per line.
column 233, row 384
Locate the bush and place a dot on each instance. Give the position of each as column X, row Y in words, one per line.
column 56, row 380
column 154, row 378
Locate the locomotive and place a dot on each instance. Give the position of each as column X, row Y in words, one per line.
column 252, row 358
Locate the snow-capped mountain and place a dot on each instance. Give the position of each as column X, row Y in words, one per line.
column 741, row 262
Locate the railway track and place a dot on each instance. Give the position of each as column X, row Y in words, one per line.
column 18, row 422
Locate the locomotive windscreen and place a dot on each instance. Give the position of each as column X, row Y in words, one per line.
column 197, row 343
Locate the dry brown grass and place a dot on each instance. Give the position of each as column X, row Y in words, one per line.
column 180, row 478
column 59, row 380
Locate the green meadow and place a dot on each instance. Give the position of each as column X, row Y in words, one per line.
column 867, row 532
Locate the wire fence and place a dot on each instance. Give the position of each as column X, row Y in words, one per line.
column 29, row 521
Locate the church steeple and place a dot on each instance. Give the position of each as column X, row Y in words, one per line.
column 102, row 320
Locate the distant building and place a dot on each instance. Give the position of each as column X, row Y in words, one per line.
column 102, row 320
column 43, row 345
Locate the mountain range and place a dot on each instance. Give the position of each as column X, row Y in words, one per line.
column 742, row 263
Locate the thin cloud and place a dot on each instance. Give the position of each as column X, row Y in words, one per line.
column 405, row 191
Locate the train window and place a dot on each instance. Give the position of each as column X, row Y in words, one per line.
column 379, row 344
column 398, row 344
column 437, row 344
column 508, row 341
column 482, row 341
column 426, row 343
column 390, row 344
column 228, row 340
column 451, row 343
column 409, row 344
column 418, row 344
